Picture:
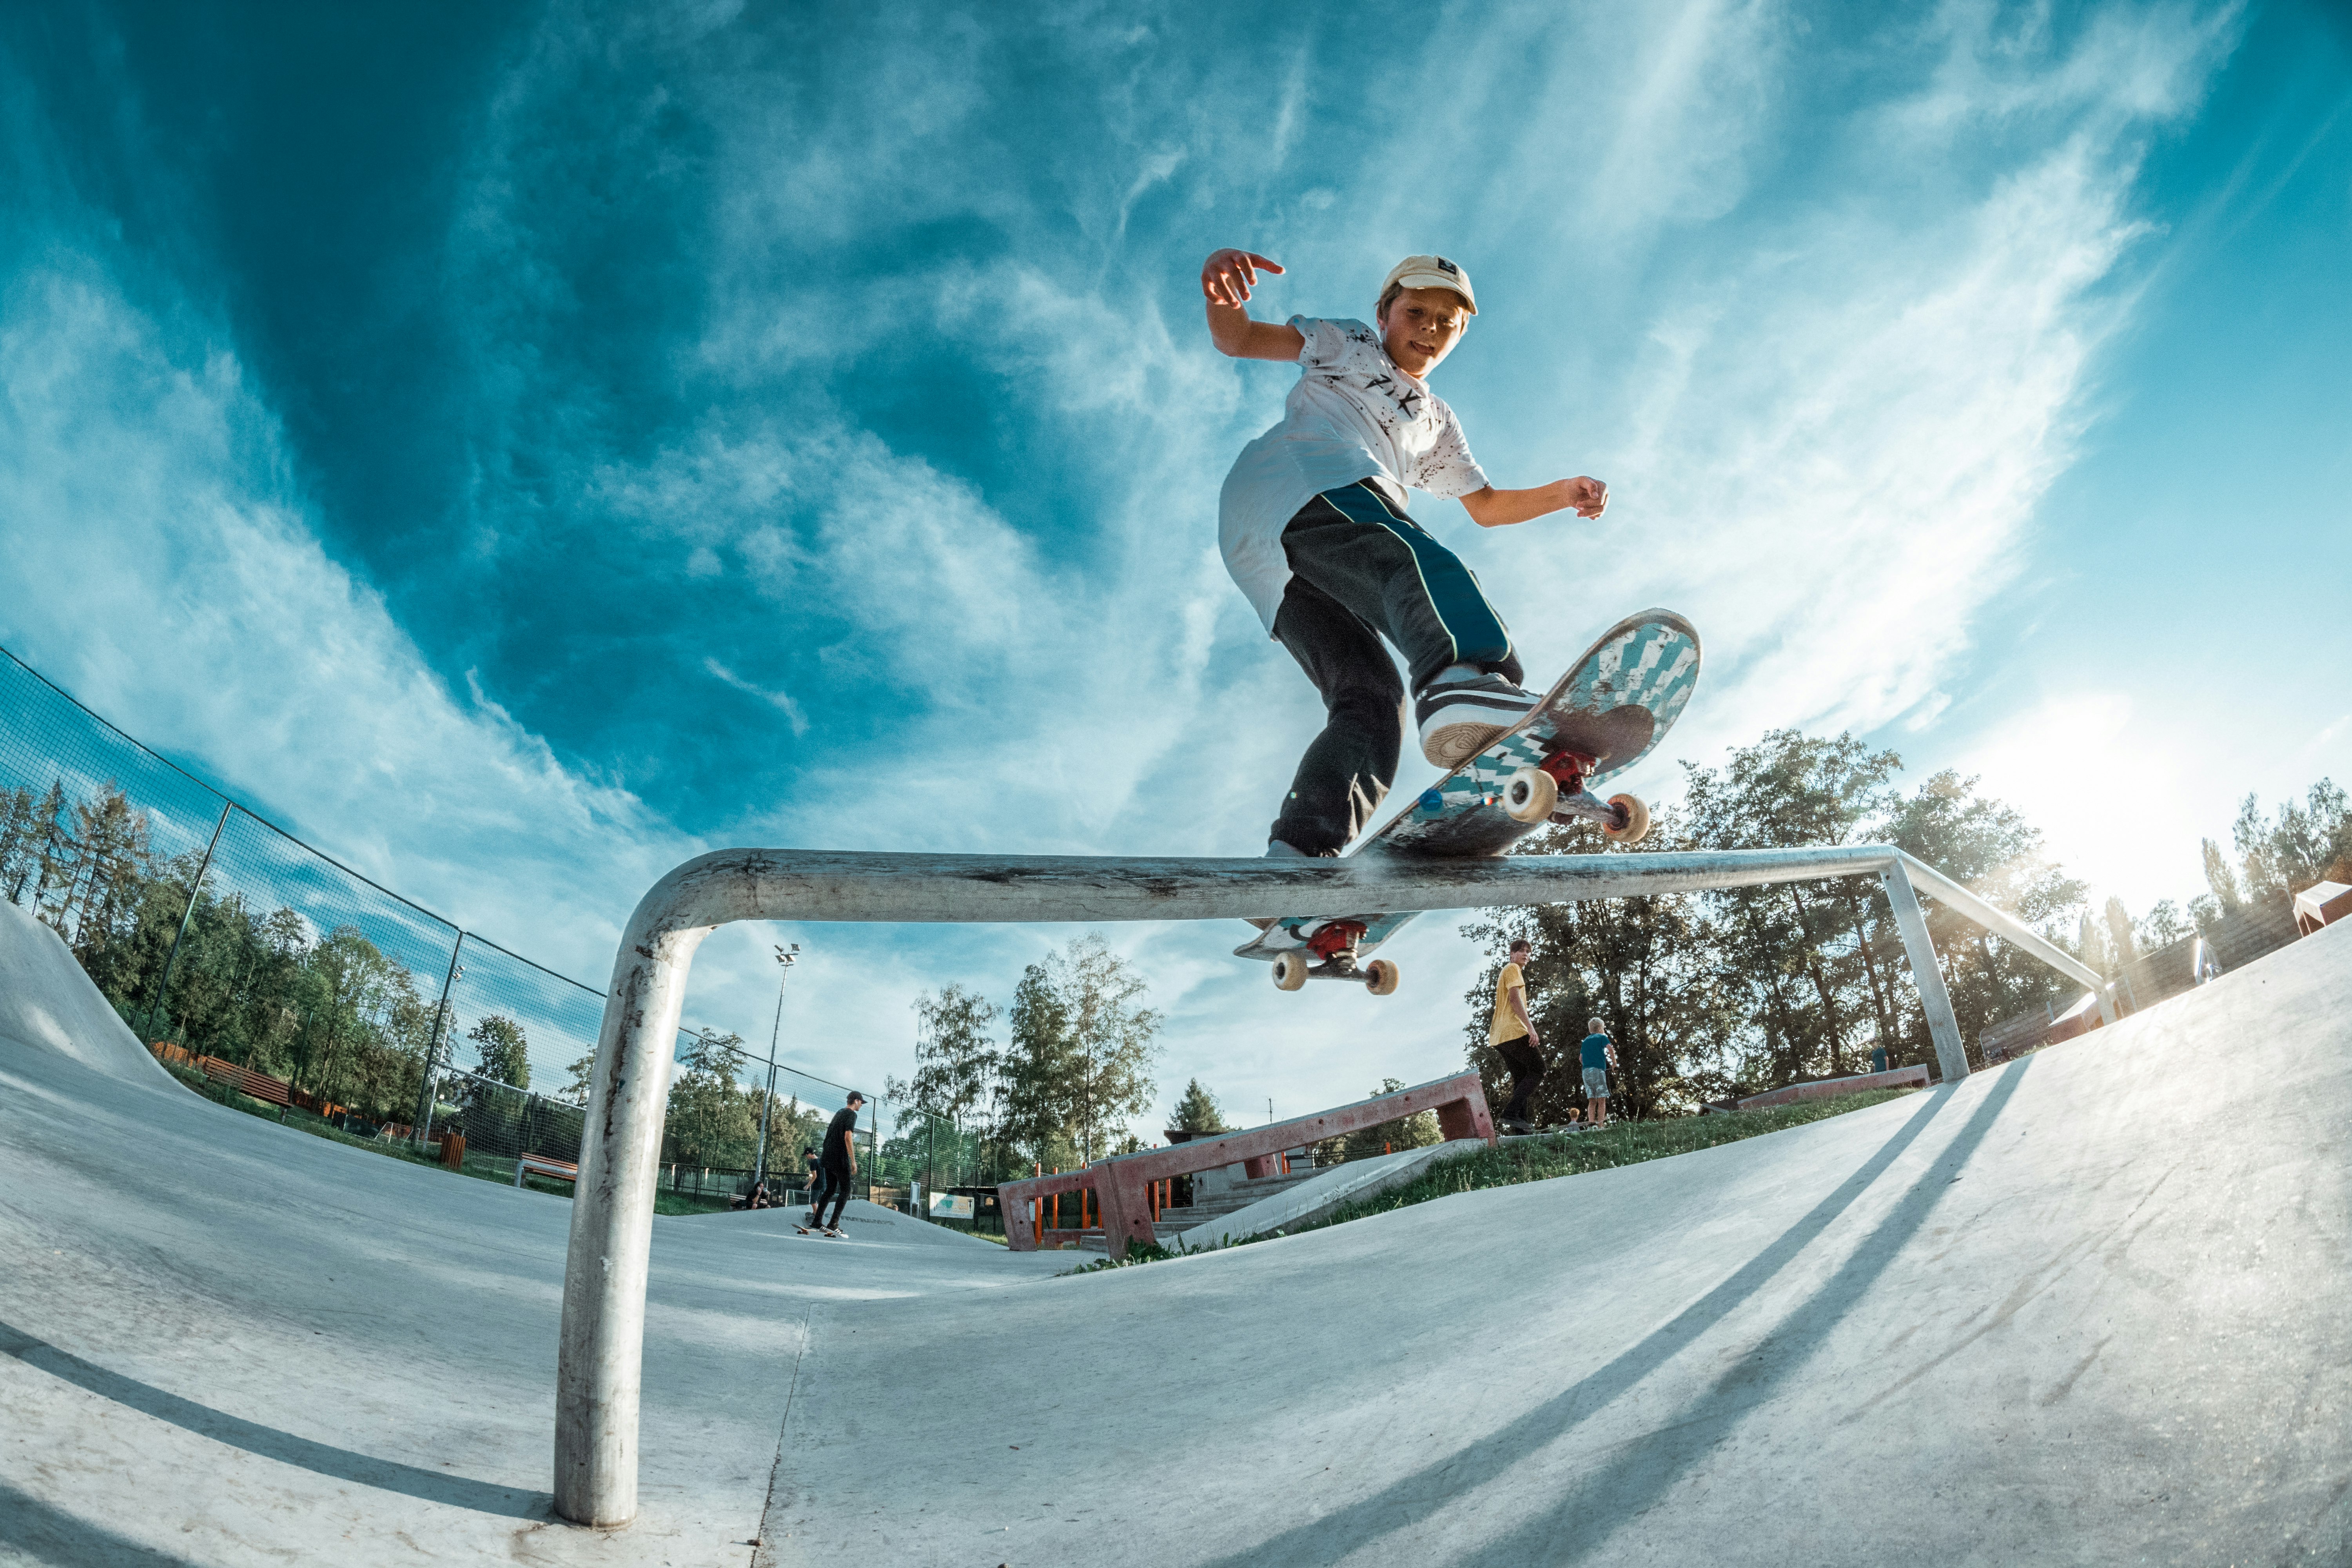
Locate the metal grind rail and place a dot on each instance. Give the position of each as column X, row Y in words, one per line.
column 600, row 1360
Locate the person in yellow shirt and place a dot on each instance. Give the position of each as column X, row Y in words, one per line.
column 1512, row 1032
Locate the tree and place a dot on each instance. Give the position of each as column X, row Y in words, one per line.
column 1729, row 992
column 2221, row 879
column 1198, row 1111
column 1079, row 1061
column 1647, row 966
column 711, row 1120
column 2162, row 925
column 2122, row 940
column 1803, row 948
column 956, row 1059
column 2280, row 858
column 2091, row 948
column 506, row 1056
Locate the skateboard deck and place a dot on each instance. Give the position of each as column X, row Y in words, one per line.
column 1606, row 713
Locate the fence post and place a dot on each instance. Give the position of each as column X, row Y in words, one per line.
column 162, row 986
column 1935, row 1001
column 426, row 1097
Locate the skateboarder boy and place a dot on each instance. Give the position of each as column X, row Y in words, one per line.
column 1313, row 526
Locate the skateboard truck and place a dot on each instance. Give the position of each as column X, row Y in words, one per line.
column 1553, row 791
column 1334, row 943
column 1336, row 937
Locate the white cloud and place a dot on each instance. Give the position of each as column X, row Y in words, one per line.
column 1834, row 416
column 167, row 574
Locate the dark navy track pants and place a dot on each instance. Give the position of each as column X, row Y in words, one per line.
column 1361, row 571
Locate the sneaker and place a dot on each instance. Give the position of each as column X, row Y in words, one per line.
column 1459, row 718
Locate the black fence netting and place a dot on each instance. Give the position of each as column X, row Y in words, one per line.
column 222, row 938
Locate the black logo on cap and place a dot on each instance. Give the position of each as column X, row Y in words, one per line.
column 1448, row 268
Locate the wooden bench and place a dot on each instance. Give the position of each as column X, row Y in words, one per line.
column 245, row 1080
column 540, row 1165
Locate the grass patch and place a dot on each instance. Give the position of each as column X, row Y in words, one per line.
column 1542, row 1158
column 686, row 1203
column 1619, row 1143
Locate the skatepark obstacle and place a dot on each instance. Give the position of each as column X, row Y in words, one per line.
column 600, row 1357
column 1122, row 1183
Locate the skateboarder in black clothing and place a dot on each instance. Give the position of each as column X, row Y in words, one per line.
column 839, row 1162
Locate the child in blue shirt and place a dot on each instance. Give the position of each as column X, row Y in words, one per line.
column 1600, row 1053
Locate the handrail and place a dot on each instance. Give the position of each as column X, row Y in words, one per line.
column 600, row 1359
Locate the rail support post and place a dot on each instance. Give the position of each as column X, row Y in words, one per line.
column 1943, row 1025
column 1466, row 1118
column 600, row 1359
column 1125, row 1210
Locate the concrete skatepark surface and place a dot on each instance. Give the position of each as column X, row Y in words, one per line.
column 2087, row 1307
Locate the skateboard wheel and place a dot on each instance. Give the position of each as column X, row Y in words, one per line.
column 1289, row 971
column 1637, row 821
column 1380, row 977
column 1529, row 795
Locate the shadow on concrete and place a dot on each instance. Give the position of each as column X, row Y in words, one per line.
column 43, row 1534
column 1639, row 1471
column 1650, row 1464
column 342, row 1464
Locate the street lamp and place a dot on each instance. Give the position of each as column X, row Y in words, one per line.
column 785, row 958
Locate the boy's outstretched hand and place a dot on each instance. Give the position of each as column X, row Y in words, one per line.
column 1228, row 276
column 1589, row 496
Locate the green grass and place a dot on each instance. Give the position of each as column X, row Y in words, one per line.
column 1619, row 1143
column 1561, row 1154
column 686, row 1203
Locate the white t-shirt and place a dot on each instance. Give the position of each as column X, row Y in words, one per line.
column 1353, row 415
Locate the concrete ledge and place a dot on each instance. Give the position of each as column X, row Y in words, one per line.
column 1312, row 1200
column 1825, row 1088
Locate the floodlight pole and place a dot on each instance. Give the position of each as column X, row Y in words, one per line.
column 427, row 1097
column 786, row 957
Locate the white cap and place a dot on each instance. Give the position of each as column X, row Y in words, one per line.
column 1431, row 272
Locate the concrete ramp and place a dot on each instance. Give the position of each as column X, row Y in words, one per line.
column 49, row 1004
column 2086, row 1308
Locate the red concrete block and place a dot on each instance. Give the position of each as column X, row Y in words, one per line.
column 1121, row 1183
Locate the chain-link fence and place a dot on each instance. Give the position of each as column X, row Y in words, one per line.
column 212, row 931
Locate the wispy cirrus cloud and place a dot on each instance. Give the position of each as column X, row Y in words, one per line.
column 837, row 448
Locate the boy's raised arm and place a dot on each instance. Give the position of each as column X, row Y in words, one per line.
column 1226, row 279
column 1491, row 508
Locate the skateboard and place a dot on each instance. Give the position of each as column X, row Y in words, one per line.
column 1606, row 713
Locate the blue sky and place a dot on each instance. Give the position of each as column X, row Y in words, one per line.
column 520, row 447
